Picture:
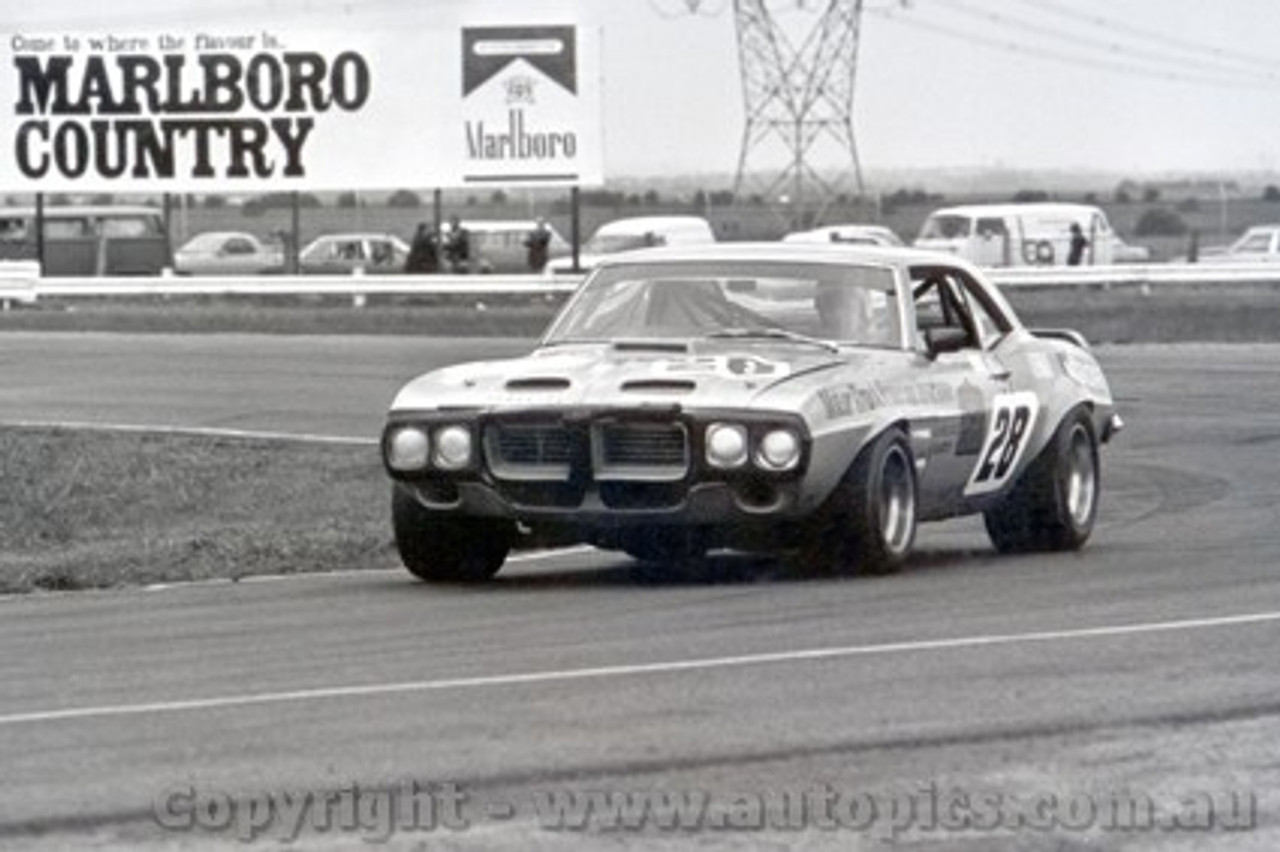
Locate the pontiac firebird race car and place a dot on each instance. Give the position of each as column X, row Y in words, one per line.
column 817, row 401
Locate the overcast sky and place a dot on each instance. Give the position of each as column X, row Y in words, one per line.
column 1126, row 86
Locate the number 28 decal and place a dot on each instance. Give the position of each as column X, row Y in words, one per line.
column 1012, row 417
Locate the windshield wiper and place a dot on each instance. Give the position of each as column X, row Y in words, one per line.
column 772, row 333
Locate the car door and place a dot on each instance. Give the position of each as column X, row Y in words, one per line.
column 963, row 450
column 991, row 245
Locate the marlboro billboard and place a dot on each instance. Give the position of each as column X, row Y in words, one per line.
column 310, row 110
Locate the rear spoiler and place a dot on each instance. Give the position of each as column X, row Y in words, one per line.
column 1067, row 334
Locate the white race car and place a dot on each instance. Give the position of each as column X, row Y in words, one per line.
column 818, row 400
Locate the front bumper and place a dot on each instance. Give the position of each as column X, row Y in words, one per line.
column 604, row 468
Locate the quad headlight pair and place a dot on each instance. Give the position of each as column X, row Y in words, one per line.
column 411, row 449
column 729, row 446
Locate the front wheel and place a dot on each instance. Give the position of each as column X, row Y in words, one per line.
column 1054, row 505
column 445, row 549
column 869, row 523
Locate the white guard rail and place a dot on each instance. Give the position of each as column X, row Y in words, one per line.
column 19, row 282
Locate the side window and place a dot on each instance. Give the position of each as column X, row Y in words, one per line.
column 1257, row 242
column 992, row 227
column 13, row 229
column 348, row 250
column 987, row 329
column 127, row 226
column 940, row 305
column 948, row 298
column 68, row 228
column 238, row 245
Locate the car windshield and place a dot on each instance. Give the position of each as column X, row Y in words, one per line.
column 797, row 303
column 945, row 227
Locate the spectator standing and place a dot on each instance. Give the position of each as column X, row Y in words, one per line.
column 1079, row 242
column 457, row 246
column 424, row 255
column 538, row 243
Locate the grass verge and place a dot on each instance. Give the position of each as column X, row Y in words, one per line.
column 99, row 509
column 479, row 317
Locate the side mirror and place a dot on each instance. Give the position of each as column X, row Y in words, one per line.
column 945, row 339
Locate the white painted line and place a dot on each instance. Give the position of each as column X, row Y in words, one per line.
column 531, row 556
column 191, row 432
column 675, row 666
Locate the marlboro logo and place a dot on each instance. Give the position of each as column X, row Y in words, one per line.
column 488, row 50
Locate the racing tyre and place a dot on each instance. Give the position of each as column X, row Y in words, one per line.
column 446, row 549
column 870, row 521
column 1054, row 504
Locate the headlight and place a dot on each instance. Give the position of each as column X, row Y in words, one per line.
column 726, row 445
column 452, row 447
column 779, row 450
column 407, row 449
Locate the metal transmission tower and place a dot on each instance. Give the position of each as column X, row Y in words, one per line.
column 799, row 108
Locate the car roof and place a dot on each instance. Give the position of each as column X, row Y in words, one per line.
column 826, row 231
column 1049, row 208
column 360, row 235
column 219, row 235
column 639, row 224
column 834, row 253
column 500, row 224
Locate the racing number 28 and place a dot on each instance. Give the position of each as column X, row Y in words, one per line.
column 1005, row 443
column 1010, row 431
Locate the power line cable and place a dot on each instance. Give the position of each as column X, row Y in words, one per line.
column 1163, row 58
column 1064, row 57
column 1114, row 26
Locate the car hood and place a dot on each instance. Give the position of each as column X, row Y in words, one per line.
column 563, row 264
column 625, row 374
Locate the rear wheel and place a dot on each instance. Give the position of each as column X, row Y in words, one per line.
column 447, row 549
column 869, row 524
column 1054, row 504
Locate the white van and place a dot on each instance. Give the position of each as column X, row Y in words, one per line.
column 1034, row 234
column 638, row 232
column 498, row 245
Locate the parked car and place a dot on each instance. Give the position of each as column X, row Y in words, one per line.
column 876, row 235
column 635, row 233
column 228, row 253
column 89, row 239
column 344, row 254
column 1122, row 252
column 817, row 401
column 1031, row 234
column 1259, row 244
column 498, row 246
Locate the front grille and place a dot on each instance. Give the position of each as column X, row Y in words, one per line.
column 610, row 449
column 531, row 444
column 642, row 444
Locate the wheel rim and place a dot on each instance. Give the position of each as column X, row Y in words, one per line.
column 1082, row 477
column 897, row 501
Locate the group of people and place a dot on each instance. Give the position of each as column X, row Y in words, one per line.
column 427, row 246
column 453, row 246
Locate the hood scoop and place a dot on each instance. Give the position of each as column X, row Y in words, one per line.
column 676, row 386
column 538, row 383
column 650, row 346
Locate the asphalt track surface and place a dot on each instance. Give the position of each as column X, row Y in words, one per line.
column 1145, row 666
